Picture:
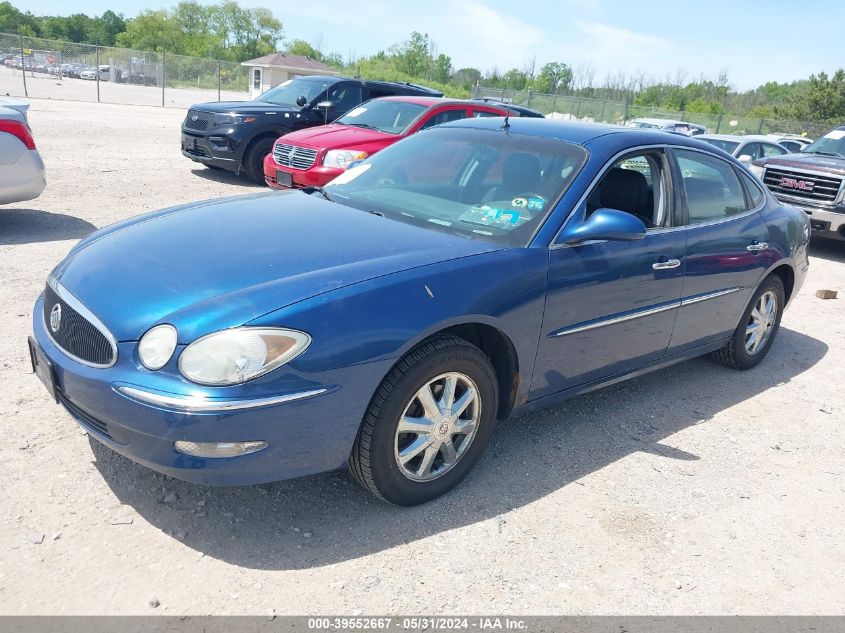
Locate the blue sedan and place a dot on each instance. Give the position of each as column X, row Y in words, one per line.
column 463, row 275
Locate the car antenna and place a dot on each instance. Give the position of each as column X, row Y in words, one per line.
column 506, row 125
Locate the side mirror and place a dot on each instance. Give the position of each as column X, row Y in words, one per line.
column 301, row 101
column 325, row 105
column 744, row 158
column 605, row 224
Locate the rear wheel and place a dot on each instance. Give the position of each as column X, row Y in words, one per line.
column 253, row 163
column 757, row 329
column 428, row 423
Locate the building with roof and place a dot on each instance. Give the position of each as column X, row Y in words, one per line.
column 271, row 70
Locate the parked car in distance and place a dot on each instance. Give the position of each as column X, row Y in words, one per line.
column 238, row 135
column 794, row 143
column 464, row 274
column 104, row 72
column 21, row 168
column 745, row 148
column 812, row 181
column 313, row 157
column 513, row 109
column 668, row 125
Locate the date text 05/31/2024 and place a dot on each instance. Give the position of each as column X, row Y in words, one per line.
column 415, row 623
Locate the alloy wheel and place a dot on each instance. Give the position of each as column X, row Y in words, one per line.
column 761, row 322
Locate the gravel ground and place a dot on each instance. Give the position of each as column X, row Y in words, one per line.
column 691, row 490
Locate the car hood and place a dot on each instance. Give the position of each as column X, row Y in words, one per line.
column 219, row 264
column 814, row 162
column 337, row 136
column 250, row 107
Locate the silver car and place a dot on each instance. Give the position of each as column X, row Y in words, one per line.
column 746, row 148
column 21, row 168
column 668, row 125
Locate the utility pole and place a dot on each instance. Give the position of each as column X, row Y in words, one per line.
column 23, row 65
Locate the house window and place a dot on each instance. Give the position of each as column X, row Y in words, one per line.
column 256, row 79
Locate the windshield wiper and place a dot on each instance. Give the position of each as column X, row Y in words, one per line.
column 321, row 191
column 365, row 125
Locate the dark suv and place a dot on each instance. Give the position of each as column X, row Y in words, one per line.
column 812, row 180
column 237, row 135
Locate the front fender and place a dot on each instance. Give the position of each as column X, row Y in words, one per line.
column 385, row 317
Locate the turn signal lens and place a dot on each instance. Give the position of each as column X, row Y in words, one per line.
column 218, row 449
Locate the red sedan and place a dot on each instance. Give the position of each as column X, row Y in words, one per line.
column 315, row 156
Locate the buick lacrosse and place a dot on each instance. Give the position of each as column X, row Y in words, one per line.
column 387, row 321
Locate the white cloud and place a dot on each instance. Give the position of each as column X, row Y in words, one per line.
column 613, row 46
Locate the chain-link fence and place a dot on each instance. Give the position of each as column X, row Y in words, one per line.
column 620, row 112
column 52, row 69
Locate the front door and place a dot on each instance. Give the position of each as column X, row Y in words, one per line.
column 611, row 305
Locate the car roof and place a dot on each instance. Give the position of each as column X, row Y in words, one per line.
column 575, row 131
column 434, row 101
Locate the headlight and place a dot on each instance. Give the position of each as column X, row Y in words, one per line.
column 156, row 346
column 757, row 170
column 233, row 356
column 231, row 119
column 342, row 157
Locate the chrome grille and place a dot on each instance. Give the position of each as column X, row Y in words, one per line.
column 802, row 187
column 202, row 122
column 76, row 335
column 293, row 156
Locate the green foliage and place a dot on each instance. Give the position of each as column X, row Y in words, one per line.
column 823, row 99
column 554, row 77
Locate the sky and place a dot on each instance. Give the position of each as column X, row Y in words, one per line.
column 755, row 40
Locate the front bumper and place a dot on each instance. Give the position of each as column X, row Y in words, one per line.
column 213, row 150
column 315, row 176
column 824, row 222
column 310, row 424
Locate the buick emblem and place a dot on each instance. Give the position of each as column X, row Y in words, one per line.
column 194, row 118
column 56, row 317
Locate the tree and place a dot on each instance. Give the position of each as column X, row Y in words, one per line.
column 152, row 31
column 442, row 69
column 823, row 99
column 554, row 77
column 12, row 20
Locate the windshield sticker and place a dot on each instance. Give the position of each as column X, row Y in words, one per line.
column 835, row 134
column 536, row 203
column 519, row 203
column 356, row 112
column 350, row 174
column 492, row 216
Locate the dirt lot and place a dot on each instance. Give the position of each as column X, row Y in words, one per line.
column 692, row 490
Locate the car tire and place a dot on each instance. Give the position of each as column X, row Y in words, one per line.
column 382, row 446
column 253, row 163
column 757, row 328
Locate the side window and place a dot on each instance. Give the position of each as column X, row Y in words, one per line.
column 772, row 150
column 345, row 97
column 712, row 188
column 754, row 192
column 480, row 114
column 752, row 150
column 444, row 117
column 633, row 184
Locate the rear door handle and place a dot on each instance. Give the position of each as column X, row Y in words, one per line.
column 756, row 247
column 667, row 264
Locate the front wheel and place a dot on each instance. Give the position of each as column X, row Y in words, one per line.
column 757, row 329
column 428, row 423
column 254, row 159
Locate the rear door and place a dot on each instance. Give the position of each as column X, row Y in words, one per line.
column 726, row 246
column 436, row 116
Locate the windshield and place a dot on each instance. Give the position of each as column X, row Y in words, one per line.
column 480, row 184
column 287, row 92
column 832, row 143
column 722, row 144
column 384, row 115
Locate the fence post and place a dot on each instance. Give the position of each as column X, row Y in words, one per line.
column 23, row 66
column 528, row 102
column 627, row 112
column 163, row 74
column 554, row 101
column 601, row 118
column 760, row 127
column 578, row 108
column 218, row 79
column 719, row 123
column 97, row 73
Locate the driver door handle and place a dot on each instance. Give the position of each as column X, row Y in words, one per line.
column 756, row 247
column 666, row 265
